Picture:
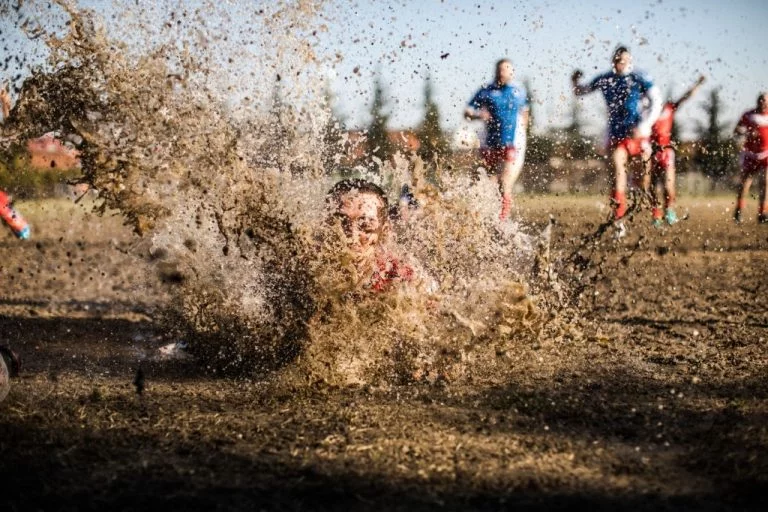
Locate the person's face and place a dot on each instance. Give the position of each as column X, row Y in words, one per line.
column 505, row 73
column 762, row 104
column 361, row 222
column 622, row 63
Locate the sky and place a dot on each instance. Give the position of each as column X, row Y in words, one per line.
column 457, row 42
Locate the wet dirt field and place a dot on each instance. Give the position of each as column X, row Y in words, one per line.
column 658, row 403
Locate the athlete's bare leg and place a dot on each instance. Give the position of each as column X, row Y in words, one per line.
column 619, row 159
column 646, row 167
column 763, row 177
column 670, row 192
column 651, row 187
column 508, row 177
column 741, row 198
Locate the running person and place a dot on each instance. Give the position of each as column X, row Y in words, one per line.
column 752, row 129
column 663, row 161
column 501, row 105
column 12, row 218
column 629, row 124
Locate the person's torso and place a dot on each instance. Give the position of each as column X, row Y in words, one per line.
column 662, row 128
column 757, row 131
column 624, row 96
column 504, row 104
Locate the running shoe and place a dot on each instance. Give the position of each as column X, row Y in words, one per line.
column 762, row 218
column 619, row 230
column 657, row 223
column 670, row 216
column 737, row 216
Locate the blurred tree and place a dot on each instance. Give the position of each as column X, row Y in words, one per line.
column 716, row 152
column 434, row 144
column 281, row 129
column 574, row 144
column 541, row 147
column 378, row 142
column 333, row 136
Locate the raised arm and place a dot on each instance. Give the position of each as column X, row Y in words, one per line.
column 578, row 89
column 690, row 92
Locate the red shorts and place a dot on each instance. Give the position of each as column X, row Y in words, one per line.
column 634, row 147
column 663, row 159
column 752, row 163
column 495, row 156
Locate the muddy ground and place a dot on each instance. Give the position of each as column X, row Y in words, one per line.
column 660, row 403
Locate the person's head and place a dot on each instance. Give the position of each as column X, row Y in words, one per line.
column 762, row 102
column 622, row 60
column 504, row 72
column 362, row 209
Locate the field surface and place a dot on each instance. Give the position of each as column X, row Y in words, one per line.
column 661, row 404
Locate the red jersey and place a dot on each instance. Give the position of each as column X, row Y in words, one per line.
column 754, row 126
column 662, row 128
column 389, row 269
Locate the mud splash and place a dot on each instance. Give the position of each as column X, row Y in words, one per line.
column 230, row 203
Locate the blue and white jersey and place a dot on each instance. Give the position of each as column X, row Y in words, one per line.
column 504, row 103
column 624, row 96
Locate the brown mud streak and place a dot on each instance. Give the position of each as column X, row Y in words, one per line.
column 677, row 355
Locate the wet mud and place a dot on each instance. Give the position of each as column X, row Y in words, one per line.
column 651, row 395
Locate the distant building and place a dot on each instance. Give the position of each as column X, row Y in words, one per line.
column 48, row 152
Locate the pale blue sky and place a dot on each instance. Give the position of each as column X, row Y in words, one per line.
column 672, row 40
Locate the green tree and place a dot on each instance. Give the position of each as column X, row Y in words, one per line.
column 333, row 136
column 378, row 142
column 573, row 143
column 434, row 144
column 281, row 129
column 716, row 152
column 541, row 147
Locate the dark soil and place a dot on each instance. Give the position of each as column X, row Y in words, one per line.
column 659, row 402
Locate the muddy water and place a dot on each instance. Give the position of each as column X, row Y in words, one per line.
column 655, row 399
column 229, row 202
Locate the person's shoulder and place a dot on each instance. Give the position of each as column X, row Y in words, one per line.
column 602, row 80
column 642, row 77
column 746, row 117
column 484, row 90
column 519, row 90
column 604, row 76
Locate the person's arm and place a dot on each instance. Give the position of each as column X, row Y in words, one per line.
column 655, row 106
column 741, row 126
column 475, row 109
column 473, row 114
column 526, row 115
column 740, row 131
column 5, row 102
column 690, row 92
column 581, row 90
